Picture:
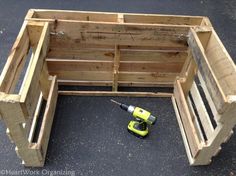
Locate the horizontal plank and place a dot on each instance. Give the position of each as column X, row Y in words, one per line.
column 147, row 77
column 163, row 19
column 58, row 65
column 109, row 83
column 70, row 33
column 107, row 54
column 109, row 16
column 123, row 76
column 75, row 15
column 110, row 93
column 153, row 55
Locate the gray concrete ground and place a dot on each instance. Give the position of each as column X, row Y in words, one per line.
column 89, row 134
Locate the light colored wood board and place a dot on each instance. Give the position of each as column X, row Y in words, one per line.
column 132, row 17
column 34, row 30
column 83, row 75
column 206, row 22
column 146, row 84
column 207, row 95
column 11, row 110
column 56, row 65
column 72, row 33
column 116, row 68
column 82, row 53
column 35, row 118
column 186, row 118
column 153, row 55
column 222, row 64
column 150, row 66
column 202, row 112
column 126, row 54
column 31, row 90
column 195, row 120
column 147, row 76
column 189, row 76
column 75, row 15
column 187, row 62
column 30, row 156
column 18, row 135
column 46, row 126
column 117, row 93
column 44, row 82
column 186, row 145
column 207, row 73
column 15, row 62
column 120, row 18
column 123, row 76
column 163, row 19
column 83, row 83
column 109, row 83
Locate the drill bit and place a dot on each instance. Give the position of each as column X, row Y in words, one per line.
column 115, row 102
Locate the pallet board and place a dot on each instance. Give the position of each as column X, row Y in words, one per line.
column 79, row 48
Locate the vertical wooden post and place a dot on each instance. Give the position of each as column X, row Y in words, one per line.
column 116, row 68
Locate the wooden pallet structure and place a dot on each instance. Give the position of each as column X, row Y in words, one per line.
column 114, row 50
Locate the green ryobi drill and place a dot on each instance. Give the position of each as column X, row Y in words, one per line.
column 138, row 127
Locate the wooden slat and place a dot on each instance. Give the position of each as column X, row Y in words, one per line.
column 147, row 76
column 207, row 73
column 83, row 75
column 117, row 93
column 121, row 83
column 108, row 17
column 102, row 54
column 75, row 15
column 202, row 112
column 182, row 130
column 163, row 19
column 120, row 34
column 189, row 75
column 57, row 65
column 31, row 90
column 46, row 126
column 195, row 120
column 167, row 56
column 186, row 118
column 15, row 62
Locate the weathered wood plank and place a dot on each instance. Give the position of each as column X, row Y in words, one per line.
column 186, row 118
column 46, row 126
column 202, row 112
column 15, row 62
column 31, row 90
column 163, row 19
column 207, row 73
column 117, row 93
column 125, row 66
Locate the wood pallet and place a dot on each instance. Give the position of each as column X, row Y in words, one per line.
column 75, row 48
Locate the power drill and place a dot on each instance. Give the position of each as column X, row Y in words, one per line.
column 138, row 127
